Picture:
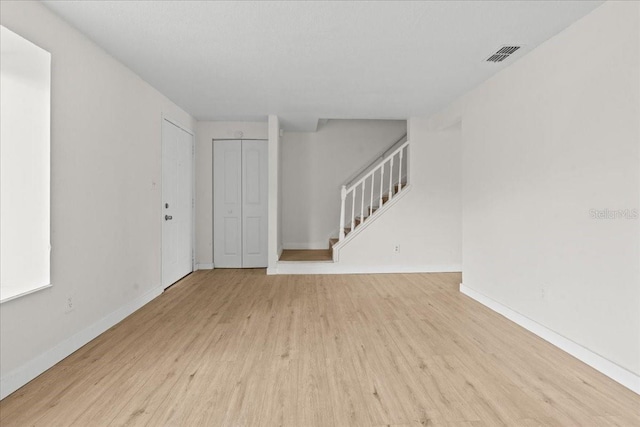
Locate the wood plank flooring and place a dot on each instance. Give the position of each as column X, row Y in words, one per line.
column 239, row 348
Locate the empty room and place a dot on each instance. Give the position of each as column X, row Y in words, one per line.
column 320, row 213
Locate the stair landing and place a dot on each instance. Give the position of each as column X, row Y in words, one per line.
column 306, row 255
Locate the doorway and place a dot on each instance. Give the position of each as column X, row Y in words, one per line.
column 240, row 203
column 177, row 203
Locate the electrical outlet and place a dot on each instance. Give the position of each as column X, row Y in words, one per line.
column 69, row 307
column 396, row 249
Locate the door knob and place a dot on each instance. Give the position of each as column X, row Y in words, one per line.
column 168, row 217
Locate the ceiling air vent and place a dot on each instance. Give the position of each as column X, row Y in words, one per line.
column 503, row 53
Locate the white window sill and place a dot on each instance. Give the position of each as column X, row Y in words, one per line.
column 9, row 293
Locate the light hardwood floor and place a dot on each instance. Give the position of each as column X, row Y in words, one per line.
column 237, row 347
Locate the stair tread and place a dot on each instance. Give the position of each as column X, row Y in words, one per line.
column 396, row 186
column 306, row 255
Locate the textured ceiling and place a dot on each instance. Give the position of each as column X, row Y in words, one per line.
column 311, row 60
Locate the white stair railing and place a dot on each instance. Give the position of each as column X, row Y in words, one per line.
column 384, row 180
column 375, row 161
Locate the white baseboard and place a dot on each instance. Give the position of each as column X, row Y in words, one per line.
column 597, row 362
column 271, row 271
column 328, row 267
column 204, row 266
column 36, row 366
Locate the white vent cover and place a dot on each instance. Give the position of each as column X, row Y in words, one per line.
column 503, row 53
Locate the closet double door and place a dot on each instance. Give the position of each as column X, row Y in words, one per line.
column 240, row 203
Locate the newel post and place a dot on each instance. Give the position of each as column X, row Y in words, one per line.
column 343, row 196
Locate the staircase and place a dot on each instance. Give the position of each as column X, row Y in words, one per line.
column 370, row 191
column 367, row 197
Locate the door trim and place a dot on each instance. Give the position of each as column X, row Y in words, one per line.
column 166, row 117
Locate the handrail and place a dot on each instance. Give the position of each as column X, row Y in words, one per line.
column 372, row 171
column 381, row 155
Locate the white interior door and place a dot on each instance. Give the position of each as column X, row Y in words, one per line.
column 254, row 203
column 240, row 203
column 227, row 205
column 177, row 203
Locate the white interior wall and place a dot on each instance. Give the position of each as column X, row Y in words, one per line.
column 105, row 199
column 315, row 166
column 544, row 142
column 426, row 222
column 206, row 132
column 275, row 232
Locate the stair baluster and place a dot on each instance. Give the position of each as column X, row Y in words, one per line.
column 362, row 202
column 353, row 209
column 343, row 196
column 373, row 181
column 400, row 172
column 391, row 177
column 381, row 184
column 361, row 185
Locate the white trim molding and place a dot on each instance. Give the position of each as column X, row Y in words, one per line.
column 20, row 376
column 204, row 266
column 328, row 267
column 177, row 123
column 597, row 362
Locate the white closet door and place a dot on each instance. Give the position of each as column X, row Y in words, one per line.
column 254, row 206
column 227, row 205
column 177, row 203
